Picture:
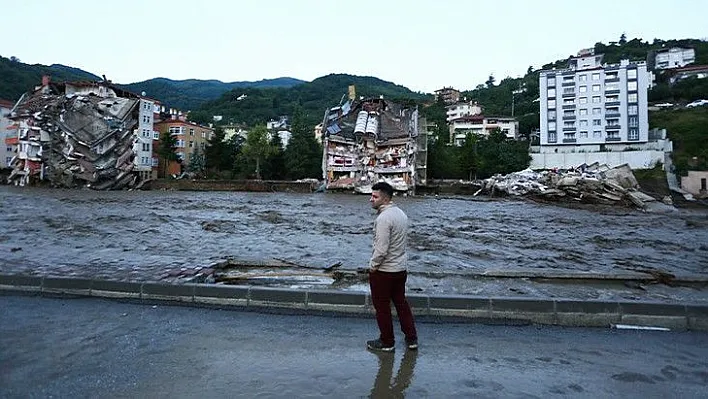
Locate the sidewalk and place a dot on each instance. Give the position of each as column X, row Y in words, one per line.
column 485, row 309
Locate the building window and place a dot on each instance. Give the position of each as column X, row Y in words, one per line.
column 596, row 134
column 614, row 134
column 632, row 85
column 191, row 132
column 583, row 112
column 632, row 109
column 633, row 134
column 631, row 73
column 583, row 134
column 551, row 92
column 583, row 78
column 597, row 122
column 568, row 101
column 595, row 87
column 596, row 111
column 610, row 76
column 583, row 100
column 632, row 97
column 595, row 76
column 203, row 134
column 612, row 86
column 583, row 89
column 611, row 99
column 583, row 123
column 191, row 144
column 633, row 121
column 552, row 137
column 551, row 82
column 569, row 136
column 155, row 136
column 552, row 114
column 551, row 126
column 568, row 125
column 596, row 99
column 551, row 103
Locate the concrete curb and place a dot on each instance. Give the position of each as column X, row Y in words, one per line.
column 498, row 310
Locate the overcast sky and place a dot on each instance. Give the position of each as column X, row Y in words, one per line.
column 420, row 44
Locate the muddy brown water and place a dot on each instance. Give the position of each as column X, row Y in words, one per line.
column 140, row 234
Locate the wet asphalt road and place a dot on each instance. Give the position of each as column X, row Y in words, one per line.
column 76, row 348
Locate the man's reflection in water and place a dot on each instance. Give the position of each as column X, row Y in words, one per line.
column 383, row 386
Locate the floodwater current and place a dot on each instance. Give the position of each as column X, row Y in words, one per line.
column 138, row 234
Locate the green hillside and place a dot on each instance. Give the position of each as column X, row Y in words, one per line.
column 16, row 78
column 190, row 94
column 261, row 105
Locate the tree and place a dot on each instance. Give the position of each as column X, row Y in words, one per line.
column 166, row 150
column 469, row 160
column 196, row 162
column 217, row 154
column 303, row 156
column 623, row 39
column 257, row 147
column 490, row 81
column 274, row 166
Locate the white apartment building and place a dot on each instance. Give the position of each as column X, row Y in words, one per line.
column 9, row 137
column 674, row 57
column 144, row 136
column 459, row 110
column 594, row 107
column 482, row 125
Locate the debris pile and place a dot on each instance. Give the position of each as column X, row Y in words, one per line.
column 591, row 184
column 76, row 134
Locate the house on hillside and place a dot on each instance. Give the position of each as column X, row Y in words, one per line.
column 448, row 95
column 370, row 140
column 482, row 125
column 673, row 57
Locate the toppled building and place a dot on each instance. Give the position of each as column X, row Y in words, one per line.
column 370, row 140
column 590, row 184
column 76, row 134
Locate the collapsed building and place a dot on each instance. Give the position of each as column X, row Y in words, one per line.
column 370, row 140
column 590, row 184
column 77, row 134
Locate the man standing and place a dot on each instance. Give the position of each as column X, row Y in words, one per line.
column 387, row 270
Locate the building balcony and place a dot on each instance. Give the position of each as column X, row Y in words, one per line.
column 569, row 106
column 569, row 94
column 567, row 84
column 612, row 114
column 569, row 141
column 612, row 139
column 612, row 91
column 569, row 117
column 612, row 103
column 569, row 129
column 613, row 127
column 612, row 79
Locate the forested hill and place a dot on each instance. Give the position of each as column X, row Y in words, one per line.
column 252, row 105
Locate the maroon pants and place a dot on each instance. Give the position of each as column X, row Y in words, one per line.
column 387, row 287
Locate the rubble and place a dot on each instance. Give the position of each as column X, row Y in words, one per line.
column 591, row 184
column 76, row 134
column 371, row 140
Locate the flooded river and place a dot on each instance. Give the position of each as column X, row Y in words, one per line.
column 140, row 234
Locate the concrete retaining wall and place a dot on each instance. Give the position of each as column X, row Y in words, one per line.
column 564, row 312
column 635, row 159
column 234, row 185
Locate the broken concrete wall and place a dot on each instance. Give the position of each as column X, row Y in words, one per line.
column 369, row 141
column 80, row 135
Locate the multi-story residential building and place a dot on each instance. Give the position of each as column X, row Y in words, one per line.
column 449, row 95
column 482, row 125
column 459, row 110
column 144, row 136
column 9, row 136
column 674, row 57
column 190, row 137
column 593, row 105
column 370, row 140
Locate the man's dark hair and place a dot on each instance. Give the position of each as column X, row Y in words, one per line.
column 384, row 188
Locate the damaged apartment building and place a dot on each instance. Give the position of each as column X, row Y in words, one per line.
column 370, row 140
column 82, row 134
